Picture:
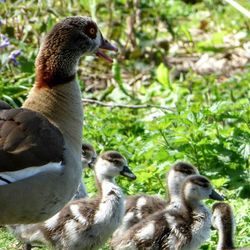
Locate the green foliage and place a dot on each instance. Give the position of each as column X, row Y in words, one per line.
column 208, row 120
column 162, row 75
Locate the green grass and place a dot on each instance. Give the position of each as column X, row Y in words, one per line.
column 209, row 117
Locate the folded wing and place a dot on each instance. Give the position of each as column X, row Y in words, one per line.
column 27, row 139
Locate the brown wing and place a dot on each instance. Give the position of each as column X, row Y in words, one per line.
column 27, row 139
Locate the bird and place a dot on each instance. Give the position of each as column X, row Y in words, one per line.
column 85, row 224
column 88, row 158
column 223, row 221
column 40, row 143
column 184, row 228
column 138, row 207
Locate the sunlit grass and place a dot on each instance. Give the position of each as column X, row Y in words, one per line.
column 209, row 122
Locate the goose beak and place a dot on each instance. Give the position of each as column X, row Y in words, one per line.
column 128, row 173
column 106, row 45
column 216, row 196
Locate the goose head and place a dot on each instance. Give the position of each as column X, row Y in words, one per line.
column 197, row 188
column 175, row 177
column 111, row 164
column 64, row 45
column 88, row 155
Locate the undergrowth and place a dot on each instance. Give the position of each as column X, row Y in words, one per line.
column 202, row 119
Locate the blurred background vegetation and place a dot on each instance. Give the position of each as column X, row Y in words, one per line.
column 185, row 62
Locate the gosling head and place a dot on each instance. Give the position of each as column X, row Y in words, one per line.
column 222, row 216
column 175, row 177
column 184, row 169
column 197, row 188
column 88, row 155
column 111, row 164
column 64, row 45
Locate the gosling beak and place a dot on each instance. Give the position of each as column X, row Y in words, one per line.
column 216, row 196
column 92, row 162
column 106, row 45
column 128, row 173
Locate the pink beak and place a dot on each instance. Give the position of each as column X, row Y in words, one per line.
column 106, row 45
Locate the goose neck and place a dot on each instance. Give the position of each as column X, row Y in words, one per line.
column 55, row 65
column 62, row 106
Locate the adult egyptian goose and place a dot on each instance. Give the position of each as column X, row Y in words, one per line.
column 85, row 224
column 40, row 143
column 223, row 221
column 138, row 207
column 88, row 158
column 181, row 228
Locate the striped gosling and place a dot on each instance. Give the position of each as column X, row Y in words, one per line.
column 223, row 221
column 138, row 207
column 88, row 158
column 86, row 224
column 185, row 228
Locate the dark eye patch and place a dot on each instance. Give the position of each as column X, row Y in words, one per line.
column 116, row 161
column 114, row 157
column 184, row 168
column 187, row 171
column 202, row 183
column 87, row 148
column 90, row 30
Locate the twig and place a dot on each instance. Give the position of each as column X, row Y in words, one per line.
column 240, row 8
column 119, row 105
column 137, row 78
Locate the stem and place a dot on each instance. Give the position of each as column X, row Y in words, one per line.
column 119, row 105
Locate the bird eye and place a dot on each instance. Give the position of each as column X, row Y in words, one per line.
column 92, row 31
column 116, row 162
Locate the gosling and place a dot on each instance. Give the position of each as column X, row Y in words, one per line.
column 138, row 207
column 88, row 158
column 223, row 221
column 86, row 224
column 184, row 228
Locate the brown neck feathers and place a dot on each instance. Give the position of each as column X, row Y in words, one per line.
column 51, row 79
column 52, row 70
